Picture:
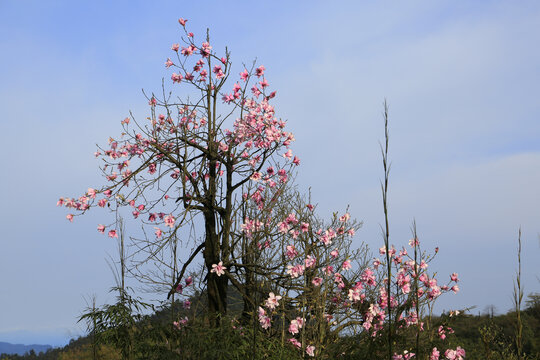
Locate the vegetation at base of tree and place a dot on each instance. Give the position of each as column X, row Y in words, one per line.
column 485, row 336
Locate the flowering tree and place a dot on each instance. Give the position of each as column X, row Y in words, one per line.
column 183, row 163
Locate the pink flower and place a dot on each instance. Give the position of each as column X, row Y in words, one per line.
column 346, row 265
column 189, row 281
column 69, row 217
column 334, row 253
column 310, row 350
column 169, row 63
column 345, row 218
column 169, row 220
column 244, row 75
column 101, row 228
column 304, row 227
column 273, row 301
column 187, row 304
column 317, row 281
column 260, row 71
column 434, row 354
column 263, row 319
column 295, row 342
column 295, row 271
column 310, row 261
column 295, row 325
column 113, row 234
column 176, row 78
column 288, row 154
column 159, row 233
column 291, row 252
column 182, row 21
column 91, row 192
column 454, row 277
column 219, row 269
column 296, row 161
column 175, row 47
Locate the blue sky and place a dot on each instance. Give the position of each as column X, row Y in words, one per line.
column 462, row 81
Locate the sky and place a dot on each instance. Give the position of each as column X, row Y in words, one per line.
column 461, row 79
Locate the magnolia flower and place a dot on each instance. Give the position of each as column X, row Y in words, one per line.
column 169, row 220
column 273, row 301
column 218, row 268
column 310, row 350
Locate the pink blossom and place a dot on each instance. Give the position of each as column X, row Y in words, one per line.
column 69, row 217
column 310, row 350
column 176, row 78
column 454, row 277
column 175, row 47
column 263, row 319
column 288, row 154
column 101, row 228
column 334, row 253
column 345, row 218
column 434, row 354
column 189, row 281
column 159, row 233
column 219, row 269
column 296, row 161
column 273, row 301
column 346, row 265
column 304, row 227
column 295, row 342
column 168, row 63
column 317, row 281
column 310, row 261
column 113, row 234
column 457, row 354
column 295, row 271
column 295, row 325
column 291, row 252
column 182, row 21
column 169, row 220
column 260, row 71
column 244, row 75
column 187, row 304
column 91, row 192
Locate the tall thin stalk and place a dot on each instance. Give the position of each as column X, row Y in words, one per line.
column 386, row 230
column 518, row 297
column 416, row 299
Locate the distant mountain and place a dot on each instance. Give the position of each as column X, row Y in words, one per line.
column 19, row 349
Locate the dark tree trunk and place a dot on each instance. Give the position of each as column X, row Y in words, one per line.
column 216, row 285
